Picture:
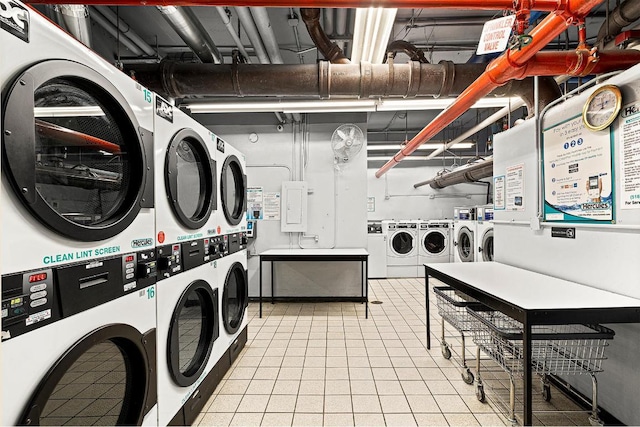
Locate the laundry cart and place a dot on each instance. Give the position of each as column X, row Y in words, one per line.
column 555, row 350
column 452, row 308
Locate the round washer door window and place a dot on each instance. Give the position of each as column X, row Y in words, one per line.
column 487, row 246
column 234, row 298
column 465, row 245
column 192, row 332
column 102, row 380
column 434, row 242
column 73, row 152
column 233, row 190
column 190, row 179
column 402, row 243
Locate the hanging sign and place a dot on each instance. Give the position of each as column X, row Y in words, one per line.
column 577, row 173
column 495, row 35
column 629, row 156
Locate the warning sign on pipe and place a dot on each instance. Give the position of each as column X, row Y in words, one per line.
column 495, row 35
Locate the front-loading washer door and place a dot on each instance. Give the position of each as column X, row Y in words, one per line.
column 73, row 151
column 106, row 378
column 465, row 245
column 235, row 298
column 190, row 179
column 193, row 330
column 487, row 246
column 402, row 243
column 434, row 242
column 233, row 190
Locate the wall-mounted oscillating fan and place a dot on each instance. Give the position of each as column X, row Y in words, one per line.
column 347, row 141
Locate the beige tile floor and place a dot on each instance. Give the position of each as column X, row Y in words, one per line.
column 313, row 364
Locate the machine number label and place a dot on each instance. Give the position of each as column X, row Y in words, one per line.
column 151, row 292
column 147, row 95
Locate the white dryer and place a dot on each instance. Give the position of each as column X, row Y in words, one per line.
column 234, row 300
column 233, row 188
column 435, row 243
column 77, row 155
column 402, row 249
column 93, row 361
column 484, row 233
column 464, row 234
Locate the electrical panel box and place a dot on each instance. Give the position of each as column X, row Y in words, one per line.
column 294, row 207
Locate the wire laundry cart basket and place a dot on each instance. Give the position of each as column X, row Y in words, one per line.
column 555, row 350
column 452, row 308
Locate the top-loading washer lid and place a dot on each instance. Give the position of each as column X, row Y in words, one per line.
column 402, row 242
column 434, row 242
column 190, row 178
column 233, row 187
column 73, row 151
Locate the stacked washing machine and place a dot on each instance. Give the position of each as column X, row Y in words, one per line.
column 232, row 268
column 435, row 243
column 402, row 249
column 187, row 240
column 464, row 234
column 77, row 225
column 484, row 233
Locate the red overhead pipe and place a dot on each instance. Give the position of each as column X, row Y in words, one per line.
column 541, row 5
column 499, row 71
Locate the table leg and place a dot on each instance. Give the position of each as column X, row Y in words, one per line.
column 272, row 279
column 260, row 298
column 366, row 288
column 528, row 393
column 426, row 295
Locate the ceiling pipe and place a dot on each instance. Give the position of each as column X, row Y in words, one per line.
column 498, row 72
column 329, row 22
column 111, row 29
column 252, row 32
column 625, row 14
column 330, row 50
column 540, row 5
column 190, row 29
column 126, row 30
column 471, row 172
column 342, row 20
column 414, row 53
column 76, row 21
column 325, row 80
column 263, row 24
column 232, row 32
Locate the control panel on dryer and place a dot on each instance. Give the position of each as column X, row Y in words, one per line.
column 237, row 241
column 218, row 247
column 169, row 260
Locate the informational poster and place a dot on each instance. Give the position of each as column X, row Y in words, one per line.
column 577, row 173
column 514, row 191
column 371, row 204
column 498, row 193
column 630, row 157
column 272, row 206
column 254, row 203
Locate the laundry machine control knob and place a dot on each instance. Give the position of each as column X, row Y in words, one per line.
column 164, row 262
column 243, row 240
column 147, row 269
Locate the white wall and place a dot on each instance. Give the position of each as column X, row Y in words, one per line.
column 395, row 197
column 337, row 198
column 603, row 256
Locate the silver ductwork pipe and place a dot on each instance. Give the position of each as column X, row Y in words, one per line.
column 76, row 21
column 472, row 172
column 190, row 29
column 341, row 25
column 125, row 30
column 263, row 24
column 252, row 32
column 625, row 14
column 328, row 22
column 232, row 32
column 111, row 29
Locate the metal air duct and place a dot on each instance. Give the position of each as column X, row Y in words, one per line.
column 189, row 28
column 125, row 30
column 472, row 172
column 263, row 24
column 76, row 20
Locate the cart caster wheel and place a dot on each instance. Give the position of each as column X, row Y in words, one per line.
column 546, row 392
column 480, row 393
column 467, row 377
column 594, row 421
column 446, row 353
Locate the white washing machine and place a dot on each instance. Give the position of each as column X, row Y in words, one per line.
column 94, row 360
column 77, row 156
column 435, row 243
column 233, row 188
column 484, row 233
column 464, row 234
column 377, row 248
column 402, row 249
column 234, row 299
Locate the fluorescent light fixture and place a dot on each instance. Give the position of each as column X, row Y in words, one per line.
column 311, row 106
column 371, row 34
column 85, row 111
column 437, row 103
column 411, row 158
column 424, row 147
